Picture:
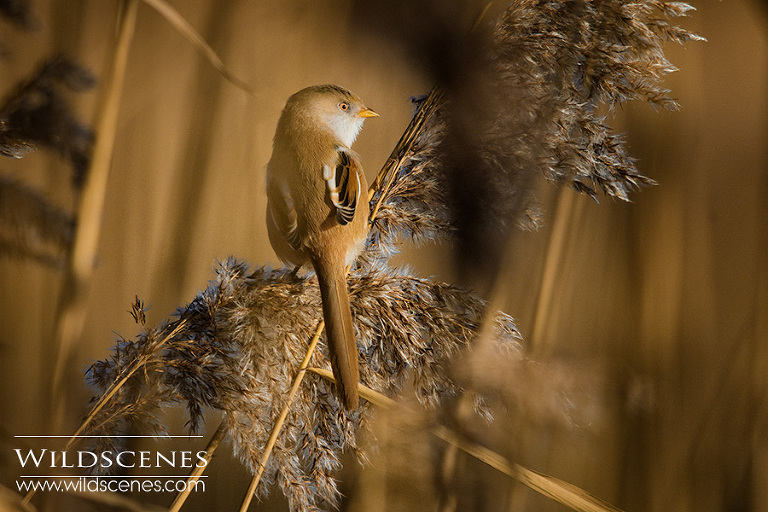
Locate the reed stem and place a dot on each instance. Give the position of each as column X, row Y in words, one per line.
column 196, row 473
column 283, row 415
column 73, row 301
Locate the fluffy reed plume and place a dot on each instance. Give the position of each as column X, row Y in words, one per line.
column 243, row 340
column 239, row 345
column 526, row 98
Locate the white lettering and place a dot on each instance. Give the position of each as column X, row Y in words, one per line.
column 30, row 453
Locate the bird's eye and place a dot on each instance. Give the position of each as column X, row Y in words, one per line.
column 344, row 105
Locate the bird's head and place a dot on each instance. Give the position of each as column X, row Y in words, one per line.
column 337, row 108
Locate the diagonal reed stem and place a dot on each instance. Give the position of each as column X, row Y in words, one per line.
column 196, row 473
column 388, row 173
column 281, row 419
column 178, row 21
column 121, row 380
column 567, row 494
column 113, row 388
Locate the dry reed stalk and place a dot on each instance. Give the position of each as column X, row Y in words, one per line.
column 180, row 23
column 567, row 214
column 72, row 303
column 196, row 473
column 403, row 149
column 370, row 395
column 281, row 419
column 72, row 307
column 122, row 379
column 567, row 494
column 119, row 382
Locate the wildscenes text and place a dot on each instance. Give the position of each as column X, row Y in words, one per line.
column 107, row 484
column 110, row 459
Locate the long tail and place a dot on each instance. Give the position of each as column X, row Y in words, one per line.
column 339, row 331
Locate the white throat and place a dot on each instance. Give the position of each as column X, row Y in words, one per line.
column 344, row 127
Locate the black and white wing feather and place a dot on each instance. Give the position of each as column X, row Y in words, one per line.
column 343, row 184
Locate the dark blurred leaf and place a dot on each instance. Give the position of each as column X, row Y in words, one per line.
column 30, row 226
column 37, row 114
column 18, row 12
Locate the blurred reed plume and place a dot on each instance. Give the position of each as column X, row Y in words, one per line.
column 32, row 227
column 37, row 114
column 521, row 99
column 526, row 98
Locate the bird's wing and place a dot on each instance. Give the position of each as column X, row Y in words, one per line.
column 343, row 184
column 283, row 213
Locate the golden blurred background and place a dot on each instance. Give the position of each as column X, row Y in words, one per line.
column 668, row 295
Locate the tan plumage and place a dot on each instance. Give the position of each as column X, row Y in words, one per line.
column 317, row 208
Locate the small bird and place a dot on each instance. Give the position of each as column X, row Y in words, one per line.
column 317, row 208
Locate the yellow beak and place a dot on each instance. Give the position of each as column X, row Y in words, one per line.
column 366, row 112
